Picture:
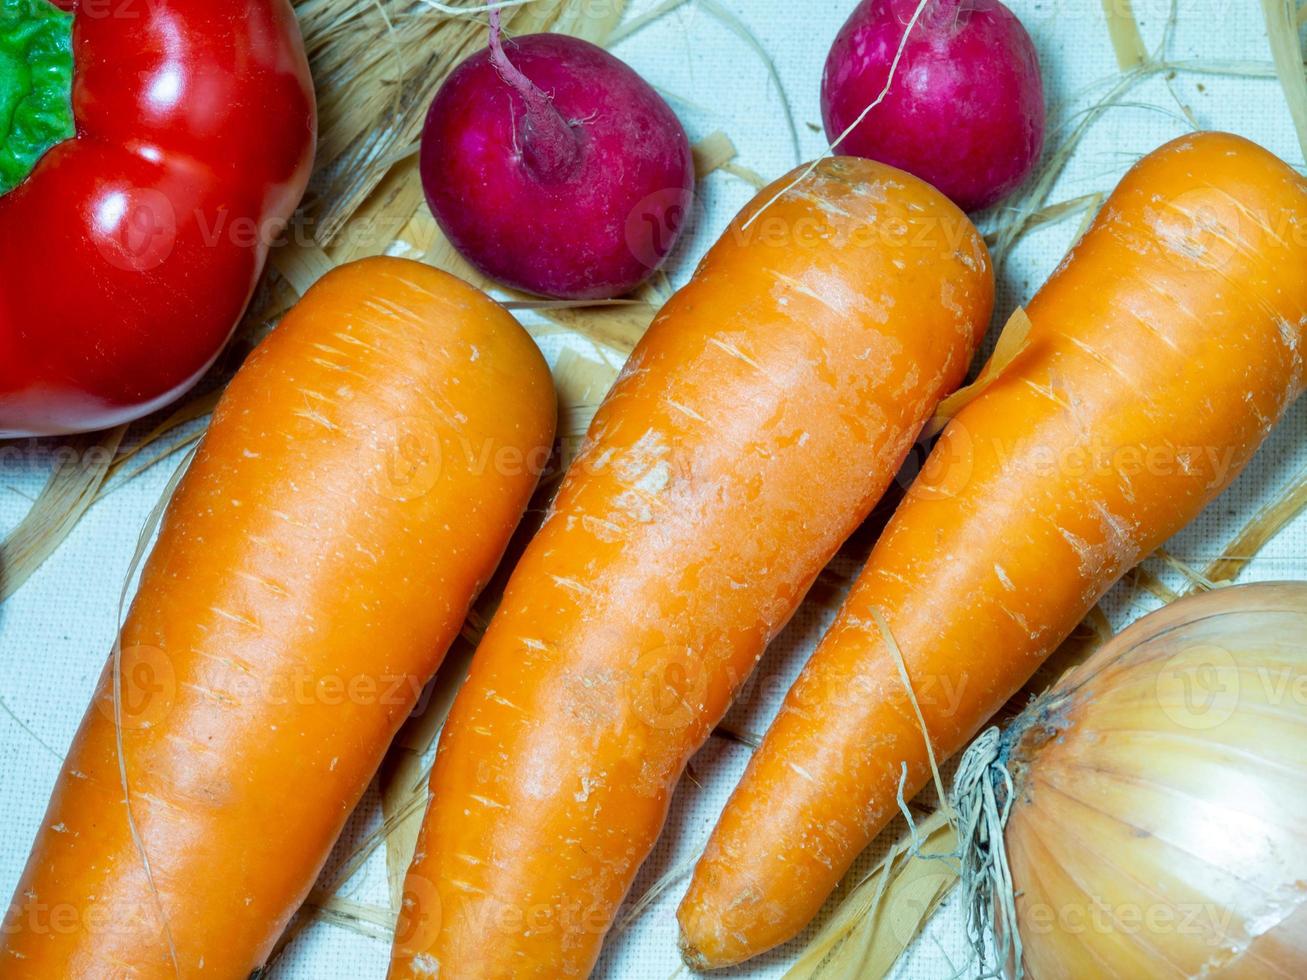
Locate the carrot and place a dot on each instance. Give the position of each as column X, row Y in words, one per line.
column 1160, row 354
column 359, row 481
column 754, row 427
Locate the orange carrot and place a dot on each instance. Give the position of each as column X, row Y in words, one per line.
column 1160, row 355
column 360, row 479
column 754, row 427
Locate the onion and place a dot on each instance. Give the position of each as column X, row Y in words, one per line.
column 1158, row 799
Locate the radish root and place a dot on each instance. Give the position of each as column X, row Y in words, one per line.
column 549, row 144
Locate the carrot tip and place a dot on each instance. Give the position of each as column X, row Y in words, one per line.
column 694, row 959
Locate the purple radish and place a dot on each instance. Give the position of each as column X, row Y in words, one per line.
column 965, row 111
column 554, row 168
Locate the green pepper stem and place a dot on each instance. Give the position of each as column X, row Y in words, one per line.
column 36, row 85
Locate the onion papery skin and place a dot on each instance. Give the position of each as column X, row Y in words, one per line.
column 1159, row 822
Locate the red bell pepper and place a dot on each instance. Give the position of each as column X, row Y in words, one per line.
column 150, row 150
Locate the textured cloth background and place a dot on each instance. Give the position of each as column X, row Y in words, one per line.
column 54, row 634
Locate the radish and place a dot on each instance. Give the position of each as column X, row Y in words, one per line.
column 965, row 108
column 557, row 170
